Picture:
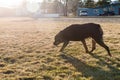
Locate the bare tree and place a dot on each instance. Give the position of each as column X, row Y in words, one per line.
column 58, row 6
column 68, row 6
column 65, row 2
column 43, row 6
column 72, row 6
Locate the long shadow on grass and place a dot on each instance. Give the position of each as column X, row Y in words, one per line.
column 96, row 72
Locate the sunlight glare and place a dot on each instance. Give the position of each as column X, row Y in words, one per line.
column 33, row 7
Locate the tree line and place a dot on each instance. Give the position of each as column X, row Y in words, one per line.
column 70, row 6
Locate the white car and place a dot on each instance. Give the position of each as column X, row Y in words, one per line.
column 83, row 13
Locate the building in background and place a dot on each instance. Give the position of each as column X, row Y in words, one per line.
column 110, row 9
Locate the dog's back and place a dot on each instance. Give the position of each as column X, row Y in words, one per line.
column 78, row 32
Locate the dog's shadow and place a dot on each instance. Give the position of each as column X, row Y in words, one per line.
column 96, row 72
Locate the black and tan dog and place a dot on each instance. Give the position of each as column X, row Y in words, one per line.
column 79, row 32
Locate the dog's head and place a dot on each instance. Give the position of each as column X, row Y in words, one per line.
column 58, row 39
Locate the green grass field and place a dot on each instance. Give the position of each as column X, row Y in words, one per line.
column 27, row 51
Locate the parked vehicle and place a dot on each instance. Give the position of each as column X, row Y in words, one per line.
column 108, row 13
column 83, row 13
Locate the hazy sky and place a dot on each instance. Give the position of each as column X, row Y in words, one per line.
column 13, row 3
column 9, row 3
